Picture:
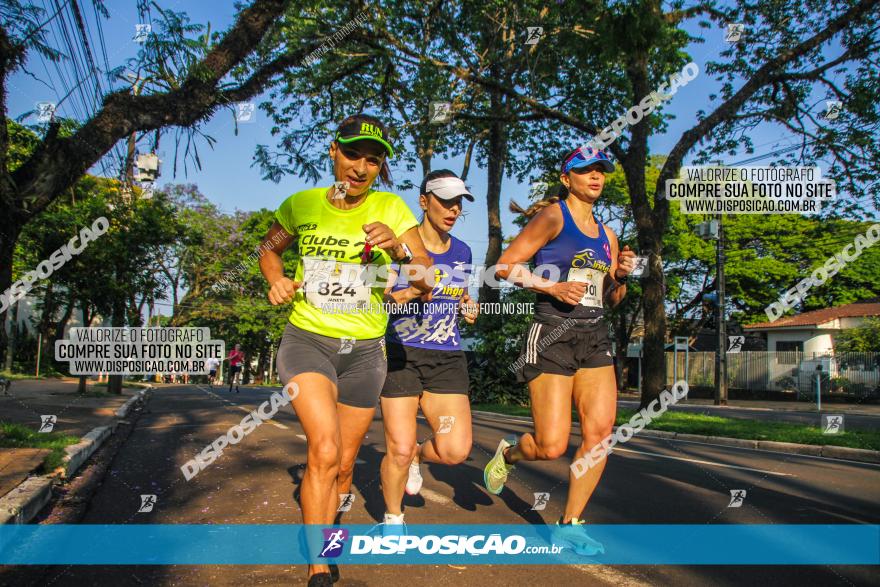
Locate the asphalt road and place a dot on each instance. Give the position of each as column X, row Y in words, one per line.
column 649, row 481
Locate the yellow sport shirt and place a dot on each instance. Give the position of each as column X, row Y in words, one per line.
column 330, row 239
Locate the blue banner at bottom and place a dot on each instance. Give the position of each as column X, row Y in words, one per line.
column 173, row 544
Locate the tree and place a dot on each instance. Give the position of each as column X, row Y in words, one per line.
column 864, row 339
column 791, row 48
column 239, row 65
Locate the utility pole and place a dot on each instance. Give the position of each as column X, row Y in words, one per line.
column 721, row 355
column 129, row 157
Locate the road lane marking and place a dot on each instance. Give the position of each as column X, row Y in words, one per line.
column 272, row 422
column 701, row 462
column 302, row 437
column 242, row 408
column 433, row 496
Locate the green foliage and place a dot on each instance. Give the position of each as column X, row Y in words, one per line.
column 498, row 343
column 864, row 339
column 18, row 436
column 217, row 262
column 22, row 142
column 117, row 271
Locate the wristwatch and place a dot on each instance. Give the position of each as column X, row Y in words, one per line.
column 407, row 254
column 621, row 280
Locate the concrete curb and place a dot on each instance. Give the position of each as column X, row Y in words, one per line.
column 77, row 454
column 815, row 450
column 20, row 505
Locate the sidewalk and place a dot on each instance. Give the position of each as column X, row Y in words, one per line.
column 76, row 415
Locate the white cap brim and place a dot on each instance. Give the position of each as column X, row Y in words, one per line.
column 447, row 188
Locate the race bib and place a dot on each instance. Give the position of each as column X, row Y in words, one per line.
column 594, row 280
column 334, row 286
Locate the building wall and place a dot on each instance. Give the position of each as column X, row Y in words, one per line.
column 854, row 322
column 28, row 313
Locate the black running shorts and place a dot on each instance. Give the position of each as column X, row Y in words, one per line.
column 553, row 345
column 412, row 370
column 356, row 367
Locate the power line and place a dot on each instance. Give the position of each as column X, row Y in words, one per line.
column 87, row 49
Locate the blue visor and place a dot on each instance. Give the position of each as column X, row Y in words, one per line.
column 586, row 156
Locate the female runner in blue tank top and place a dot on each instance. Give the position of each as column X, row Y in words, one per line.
column 567, row 351
column 426, row 366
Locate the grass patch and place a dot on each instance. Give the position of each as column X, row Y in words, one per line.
column 16, row 376
column 702, row 424
column 18, row 436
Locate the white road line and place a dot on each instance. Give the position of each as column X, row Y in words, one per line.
column 242, row 408
column 272, row 422
column 433, row 496
column 302, row 437
column 701, row 462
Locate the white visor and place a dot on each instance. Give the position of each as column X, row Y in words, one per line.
column 447, row 188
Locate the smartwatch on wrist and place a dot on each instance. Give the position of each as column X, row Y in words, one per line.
column 407, row 254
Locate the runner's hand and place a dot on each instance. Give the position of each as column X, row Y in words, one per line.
column 468, row 309
column 283, row 290
column 568, row 292
column 626, row 262
column 379, row 235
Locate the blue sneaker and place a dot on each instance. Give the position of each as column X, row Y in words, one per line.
column 574, row 534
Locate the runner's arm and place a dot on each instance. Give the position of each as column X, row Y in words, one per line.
column 418, row 271
column 272, row 267
column 615, row 293
column 540, row 230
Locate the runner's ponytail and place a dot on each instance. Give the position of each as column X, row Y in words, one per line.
column 559, row 193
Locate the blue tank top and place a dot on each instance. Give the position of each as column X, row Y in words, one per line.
column 579, row 258
column 434, row 325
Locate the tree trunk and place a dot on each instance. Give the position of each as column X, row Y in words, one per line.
column 622, row 339
column 13, row 338
column 425, row 159
column 47, row 319
column 653, row 354
column 86, row 321
column 8, row 237
column 261, row 365
column 58, row 334
column 497, row 154
column 114, row 382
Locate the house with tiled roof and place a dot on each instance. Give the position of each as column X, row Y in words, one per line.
column 813, row 332
column 802, row 345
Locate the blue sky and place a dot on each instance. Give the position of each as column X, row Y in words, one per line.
column 228, row 179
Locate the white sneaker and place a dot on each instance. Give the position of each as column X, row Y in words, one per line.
column 414, row 481
column 393, row 525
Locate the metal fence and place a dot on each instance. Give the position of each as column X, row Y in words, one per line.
column 844, row 374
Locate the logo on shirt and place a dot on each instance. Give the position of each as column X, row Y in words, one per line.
column 587, row 258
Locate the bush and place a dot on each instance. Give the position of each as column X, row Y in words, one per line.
column 786, row 383
column 498, row 343
column 841, row 385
